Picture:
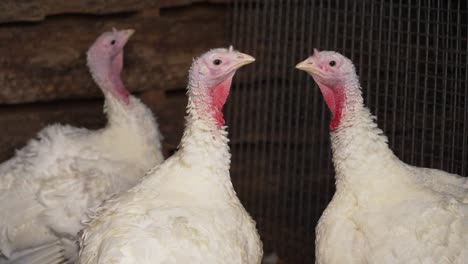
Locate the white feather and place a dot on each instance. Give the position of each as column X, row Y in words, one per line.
column 50, row 183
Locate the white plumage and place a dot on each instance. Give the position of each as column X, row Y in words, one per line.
column 185, row 210
column 46, row 188
column 384, row 211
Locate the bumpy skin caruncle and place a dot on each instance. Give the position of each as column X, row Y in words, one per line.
column 186, row 209
column 48, row 186
column 383, row 211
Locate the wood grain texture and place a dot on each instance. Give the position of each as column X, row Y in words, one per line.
column 173, row 3
column 47, row 61
column 37, row 10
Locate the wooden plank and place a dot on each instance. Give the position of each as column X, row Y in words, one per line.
column 37, row 10
column 173, row 3
column 46, row 61
column 22, row 122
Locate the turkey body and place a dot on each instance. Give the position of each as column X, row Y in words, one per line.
column 384, row 210
column 184, row 210
column 192, row 223
column 48, row 186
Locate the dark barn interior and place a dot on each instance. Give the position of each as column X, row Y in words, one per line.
column 411, row 56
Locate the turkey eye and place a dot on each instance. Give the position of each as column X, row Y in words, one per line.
column 113, row 42
column 332, row 63
column 217, row 62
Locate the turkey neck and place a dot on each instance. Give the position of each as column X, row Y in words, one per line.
column 106, row 74
column 203, row 131
column 359, row 147
column 204, row 141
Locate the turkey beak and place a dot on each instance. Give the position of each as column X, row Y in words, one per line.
column 126, row 34
column 308, row 66
column 241, row 60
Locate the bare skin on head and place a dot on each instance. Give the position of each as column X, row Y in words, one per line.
column 334, row 74
column 105, row 61
column 210, row 80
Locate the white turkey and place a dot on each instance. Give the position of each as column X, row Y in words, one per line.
column 185, row 210
column 47, row 187
column 384, row 211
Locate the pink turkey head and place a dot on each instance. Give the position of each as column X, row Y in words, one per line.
column 332, row 72
column 105, row 60
column 329, row 68
column 213, row 72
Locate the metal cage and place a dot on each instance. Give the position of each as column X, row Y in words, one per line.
column 412, row 59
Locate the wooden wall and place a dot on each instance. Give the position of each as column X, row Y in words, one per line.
column 43, row 73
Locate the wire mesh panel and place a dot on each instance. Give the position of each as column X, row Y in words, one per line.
column 412, row 58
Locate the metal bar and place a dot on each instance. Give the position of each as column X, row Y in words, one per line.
column 388, row 68
column 425, row 88
column 376, row 105
column 247, row 92
column 262, row 110
column 234, row 32
column 283, row 146
column 444, row 88
column 269, row 116
column 465, row 118
column 251, row 89
column 353, row 29
column 414, row 123
column 311, row 88
column 298, row 180
column 436, row 85
column 406, row 83
column 369, row 62
column 396, row 86
column 344, row 25
column 453, row 107
column 361, row 38
column 293, row 114
column 275, row 165
column 242, row 99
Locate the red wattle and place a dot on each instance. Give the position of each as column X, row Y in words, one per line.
column 335, row 99
column 122, row 93
column 218, row 96
column 119, row 89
